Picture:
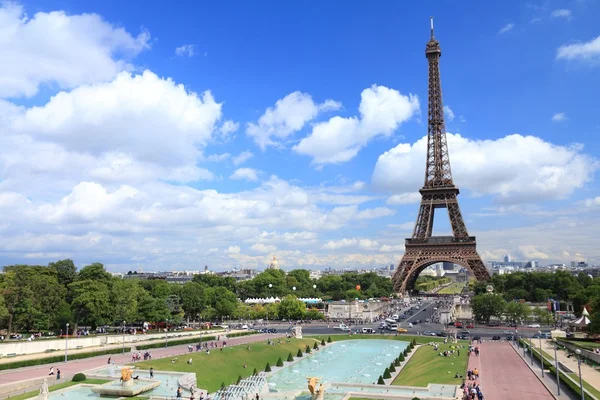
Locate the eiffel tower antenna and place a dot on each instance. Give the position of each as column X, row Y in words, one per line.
column 438, row 191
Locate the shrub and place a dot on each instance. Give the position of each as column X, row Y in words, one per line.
column 290, row 358
column 299, row 354
column 161, row 343
column 329, row 339
column 255, row 372
column 307, row 350
column 268, row 367
column 392, row 368
column 322, row 342
column 397, row 362
column 79, row 377
column 414, row 342
column 238, row 380
column 416, row 398
column 405, row 353
column 316, row 346
column 386, row 374
column 380, row 381
column 401, row 358
column 222, row 385
column 279, row 362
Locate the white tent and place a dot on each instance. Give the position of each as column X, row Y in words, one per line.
column 583, row 320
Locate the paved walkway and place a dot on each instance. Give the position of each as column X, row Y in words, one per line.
column 589, row 374
column 504, row 376
column 72, row 367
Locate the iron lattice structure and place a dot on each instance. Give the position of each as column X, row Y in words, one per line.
column 439, row 191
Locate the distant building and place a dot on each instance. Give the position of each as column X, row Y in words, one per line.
column 447, row 266
column 274, row 263
column 507, row 258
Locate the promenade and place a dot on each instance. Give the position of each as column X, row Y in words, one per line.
column 70, row 368
column 503, row 375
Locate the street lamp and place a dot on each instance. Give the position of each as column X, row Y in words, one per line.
column 123, row 337
column 531, row 350
column 67, row 343
column 578, row 352
column 270, row 286
column 541, row 353
column 294, row 288
column 166, row 330
column 556, row 366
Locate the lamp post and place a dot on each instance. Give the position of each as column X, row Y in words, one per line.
column 578, row 352
column 541, row 353
column 556, row 366
column 67, row 344
column 166, row 330
column 123, row 337
column 531, row 350
column 270, row 286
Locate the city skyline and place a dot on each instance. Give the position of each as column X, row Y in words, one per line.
column 175, row 140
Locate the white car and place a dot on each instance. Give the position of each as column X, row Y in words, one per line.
column 534, row 326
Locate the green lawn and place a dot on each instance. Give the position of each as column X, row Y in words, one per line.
column 453, row 288
column 586, row 385
column 403, row 337
column 225, row 366
column 58, row 386
column 427, row 366
column 584, row 345
column 536, row 346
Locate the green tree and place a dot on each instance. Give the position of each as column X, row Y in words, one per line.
column 223, row 301
column 124, row 297
column 193, row 299
column 65, row 270
column 516, row 312
column 91, row 302
column 486, row 306
column 291, row 308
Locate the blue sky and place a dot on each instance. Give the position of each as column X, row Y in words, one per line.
column 107, row 159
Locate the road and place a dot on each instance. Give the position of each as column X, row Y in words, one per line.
column 425, row 312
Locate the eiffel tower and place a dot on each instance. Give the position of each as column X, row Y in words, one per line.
column 439, row 191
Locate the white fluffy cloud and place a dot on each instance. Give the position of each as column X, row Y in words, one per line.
column 289, row 115
column 587, row 51
column 561, row 13
column 513, row 169
column 188, row 50
column 559, row 117
column 506, row 28
column 57, row 48
column 242, row 157
column 363, row 244
column 248, row 174
column 381, row 110
column 449, row 113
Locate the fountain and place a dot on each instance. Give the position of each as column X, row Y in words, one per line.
column 127, row 386
column 312, row 386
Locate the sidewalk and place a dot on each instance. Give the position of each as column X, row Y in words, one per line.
column 589, row 374
column 70, row 368
column 93, row 349
column 549, row 379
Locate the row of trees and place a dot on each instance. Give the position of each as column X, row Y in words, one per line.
column 36, row 298
column 579, row 290
column 486, row 306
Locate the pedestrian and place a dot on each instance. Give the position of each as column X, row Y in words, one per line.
column 109, row 358
column 179, row 392
column 51, row 371
column 57, row 374
column 151, row 372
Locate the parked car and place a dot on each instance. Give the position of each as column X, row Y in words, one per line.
column 401, row 330
column 368, row 330
column 429, row 333
column 470, row 326
column 533, row 326
column 496, row 338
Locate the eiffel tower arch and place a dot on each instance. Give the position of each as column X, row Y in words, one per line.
column 438, row 191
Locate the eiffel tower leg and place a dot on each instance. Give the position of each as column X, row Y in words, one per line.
column 424, row 225
column 459, row 229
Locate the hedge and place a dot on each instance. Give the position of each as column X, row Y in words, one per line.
column 59, row 358
column 78, row 377
column 190, row 340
